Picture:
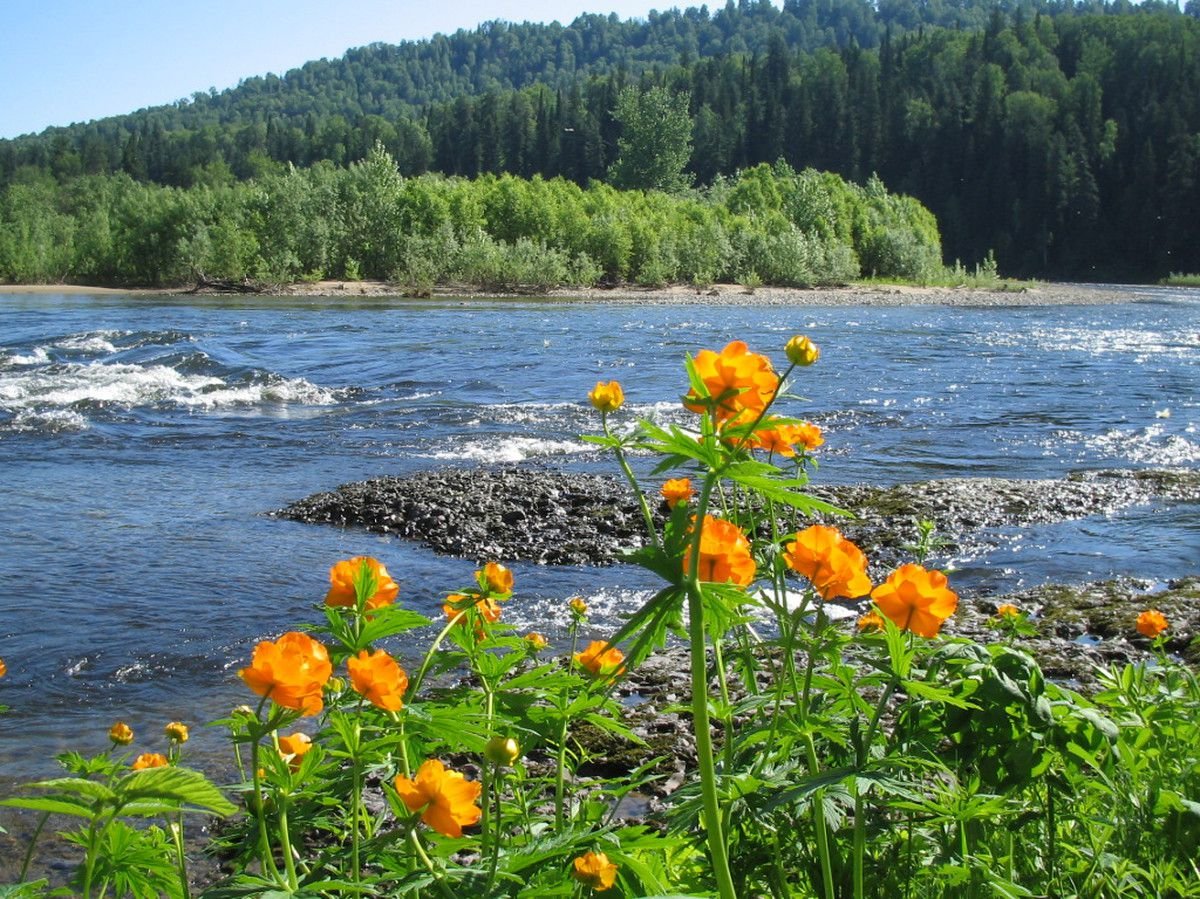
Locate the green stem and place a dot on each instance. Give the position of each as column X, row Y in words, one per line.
column 629, row 476
column 180, row 856
column 37, row 832
column 264, row 840
column 285, row 844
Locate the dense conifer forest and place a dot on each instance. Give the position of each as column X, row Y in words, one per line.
column 1064, row 138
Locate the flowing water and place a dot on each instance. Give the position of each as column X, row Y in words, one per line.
column 143, row 439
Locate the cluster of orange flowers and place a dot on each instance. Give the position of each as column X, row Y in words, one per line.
column 913, row 597
column 291, row 671
column 495, row 584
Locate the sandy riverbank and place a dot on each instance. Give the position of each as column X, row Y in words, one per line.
column 1033, row 294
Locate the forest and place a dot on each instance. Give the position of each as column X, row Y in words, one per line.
column 1062, row 138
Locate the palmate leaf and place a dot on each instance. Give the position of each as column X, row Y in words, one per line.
column 182, row 785
column 80, row 785
column 389, row 621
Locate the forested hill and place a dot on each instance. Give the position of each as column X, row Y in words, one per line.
column 1064, row 137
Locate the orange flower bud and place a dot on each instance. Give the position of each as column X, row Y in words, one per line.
column 870, row 622
column 1007, row 610
column 802, row 351
column 293, row 749
column 343, row 574
column 677, row 490
column 445, row 798
column 593, row 869
column 607, row 397
column 916, row 599
column 177, row 732
column 578, row 606
column 536, row 641
column 496, row 578
column 378, row 678
column 149, row 760
column 291, row 671
column 121, row 734
column 1151, row 623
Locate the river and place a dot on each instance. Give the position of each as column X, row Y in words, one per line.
column 144, row 439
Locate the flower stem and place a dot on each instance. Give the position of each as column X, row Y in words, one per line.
column 629, row 476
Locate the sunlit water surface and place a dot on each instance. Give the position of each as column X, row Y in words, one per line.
column 142, row 441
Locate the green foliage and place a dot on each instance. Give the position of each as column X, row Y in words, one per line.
column 655, row 142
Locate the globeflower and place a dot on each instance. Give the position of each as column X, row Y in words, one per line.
column 779, row 439
column 293, row 748
column 485, row 607
column 1007, row 610
column 537, row 642
column 496, row 578
column 1151, row 623
column 870, row 622
column 502, row 750
column 808, row 435
column 3, row 668
column 121, row 734
column 578, row 607
column 607, row 397
column 593, row 869
column 445, row 798
column 834, row 565
column 343, row 574
column 149, row 760
column 377, row 677
column 724, row 554
column 601, row 661
column 802, row 351
column 737, row 381
column 916, row 599
column 291, row 671
column 177, row 732
column 677, row 490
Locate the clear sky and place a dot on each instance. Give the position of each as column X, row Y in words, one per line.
column 65, row 61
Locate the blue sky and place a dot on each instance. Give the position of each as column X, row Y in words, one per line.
column 64, row 61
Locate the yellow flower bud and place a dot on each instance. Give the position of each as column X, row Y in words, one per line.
column 121, row 734
column 578, row 606
column 177, row 732
column 607, row 397
column 802, row 351
column 502, row 750
column 537, row 641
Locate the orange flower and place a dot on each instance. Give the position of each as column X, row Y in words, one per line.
column 291, row 671
column 293, row 749
column 378, row 678
column 916, row 599
column 149, row 760
column 343, row 574
column 3, row 668
column 496, row 578
column 724, row 553
column 485, row 607
column 177, row 732
column 808, row 435
column 607, row 397
column 121, row 733
column 601, row 661
column 833, row 564
column 1007, row 610
column 802, row 351
column 593, row 869
column 445, row 798
column 870, row 622
column 677, row 490
column 537, row 642
column 778, row 439
column 1151, row 623
column 736, row 379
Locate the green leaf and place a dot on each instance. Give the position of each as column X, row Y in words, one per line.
column 182, row 785
column 77, row 785
column 57, row 806
column 389, row 621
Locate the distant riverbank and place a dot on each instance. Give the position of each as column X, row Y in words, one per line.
column 1033, row 294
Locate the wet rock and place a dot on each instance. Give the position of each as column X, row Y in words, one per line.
column 559, row 518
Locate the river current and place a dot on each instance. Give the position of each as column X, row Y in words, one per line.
column 144, row 439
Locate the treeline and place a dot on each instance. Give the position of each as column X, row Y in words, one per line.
column 767, row 225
